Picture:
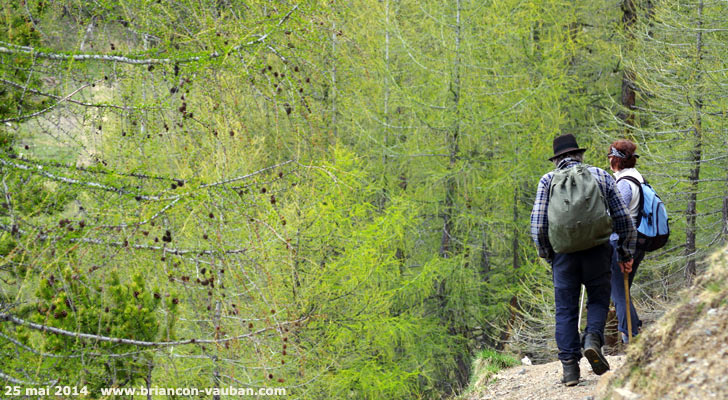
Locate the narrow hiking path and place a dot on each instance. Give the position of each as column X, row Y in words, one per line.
column 543, row 382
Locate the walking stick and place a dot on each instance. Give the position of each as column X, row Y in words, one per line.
column 581, row 307
column 626, row 296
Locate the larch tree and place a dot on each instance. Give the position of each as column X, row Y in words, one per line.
column 328, row 197
column 680, row 75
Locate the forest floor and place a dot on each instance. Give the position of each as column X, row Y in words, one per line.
column 543, row 382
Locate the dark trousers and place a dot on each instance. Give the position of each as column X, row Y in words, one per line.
column 591, row 268
column 618, row 297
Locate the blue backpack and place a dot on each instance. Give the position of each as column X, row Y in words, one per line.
column 653, row 228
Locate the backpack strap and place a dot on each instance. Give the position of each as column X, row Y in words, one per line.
column 639, row 185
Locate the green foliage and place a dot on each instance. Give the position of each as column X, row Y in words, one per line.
column 36, row 196
column 335, row 196
column 677, row 56
column 7, row 244
column 17, row 28
column 119, row 309
column 496, row 361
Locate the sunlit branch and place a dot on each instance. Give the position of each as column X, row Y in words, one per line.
column 239, row 178
column 39, row 170
column 140, row 343
column 103, row 57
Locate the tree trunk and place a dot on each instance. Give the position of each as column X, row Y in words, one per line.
column 148, row 379
column 629, row 18
column 216, row 321
column 691, row 212
column 385, row 169
column 462, row 370
column 514, row 307
column 446, row 241
column 514, row 245
column 725, row 218
column 333, row 81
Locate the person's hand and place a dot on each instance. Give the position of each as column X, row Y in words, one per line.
column 626, row 266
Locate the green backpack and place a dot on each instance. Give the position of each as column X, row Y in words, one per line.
column 577, row 213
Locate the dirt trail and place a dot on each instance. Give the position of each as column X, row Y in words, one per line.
column 543, row 382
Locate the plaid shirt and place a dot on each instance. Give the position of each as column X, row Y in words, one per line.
column 622, row 223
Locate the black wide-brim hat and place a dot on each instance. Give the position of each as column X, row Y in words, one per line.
column 565, row 144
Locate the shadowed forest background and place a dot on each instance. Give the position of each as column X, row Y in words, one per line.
column 331, row 197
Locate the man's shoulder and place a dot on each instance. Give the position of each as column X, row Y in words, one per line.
column 546, row 178
column 600, row 173
column 597, row 169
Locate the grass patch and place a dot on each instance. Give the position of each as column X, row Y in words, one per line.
column 495, row 361
column 486, row 364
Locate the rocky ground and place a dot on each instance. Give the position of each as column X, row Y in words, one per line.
column 685, row 356
column 543, row 382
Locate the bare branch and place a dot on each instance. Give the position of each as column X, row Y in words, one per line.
column 85, row 354
column 140, row 343
column 39, row 93
column 263, row 37
column 103, row 57
column 38, row 169
column 226, row 181
column 22, row 382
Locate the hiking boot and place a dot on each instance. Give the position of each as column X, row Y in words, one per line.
column 593, row 353
column 571, row 372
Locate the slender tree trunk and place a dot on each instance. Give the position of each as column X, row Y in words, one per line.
column 385, row 169
column 446, row 244
column 216, row 321
column 333, row 81
column 143, row 122
column 725, row 218
column 691, row 212
column 629, row 18
column 148, row 379
column 386, row 82
column 514, row 307
column 89, row 32
column 446, row 241
column 296, row 265
column 650, row 13
column 514, row 244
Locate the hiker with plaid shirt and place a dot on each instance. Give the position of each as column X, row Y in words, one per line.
column 590, row 267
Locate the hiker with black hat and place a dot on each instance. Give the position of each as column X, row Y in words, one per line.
column 577, row 207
